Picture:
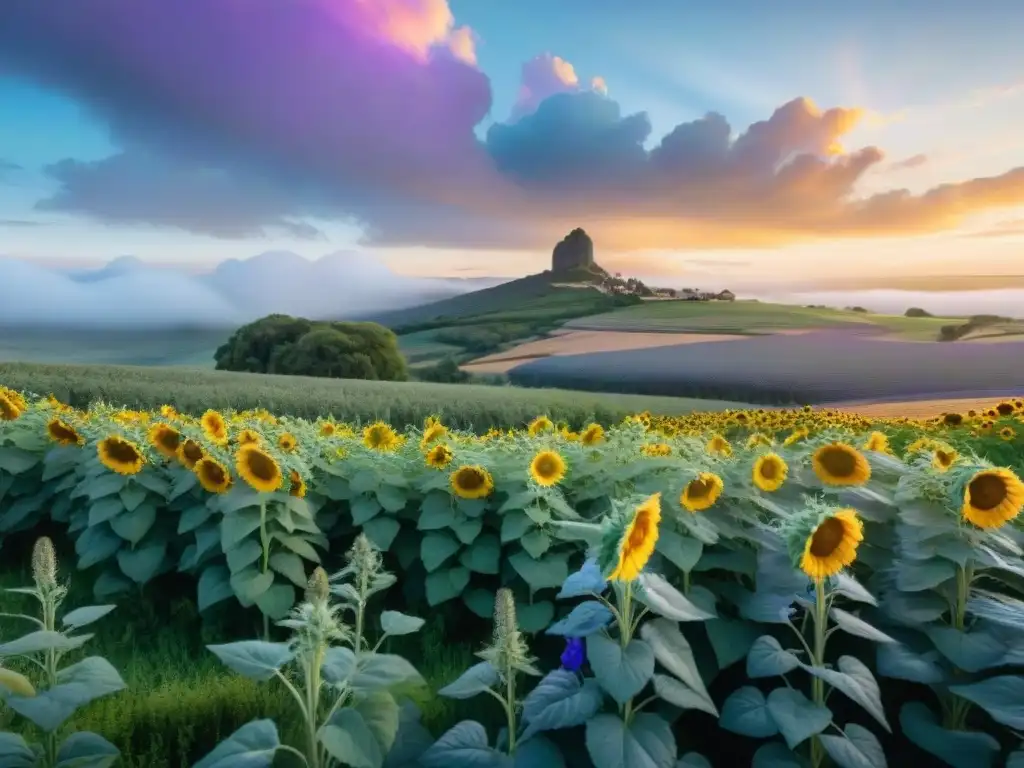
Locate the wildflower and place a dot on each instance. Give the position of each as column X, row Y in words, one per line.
column 840, row 464
column 993, row 497
column 472, row 482
column 120, row 455
column 547, row 468
column 574, row 655
column 823, row 540
column 631, row 545
column 259, row 469
column 770, row 471
column 701, row 492
column 213, row 476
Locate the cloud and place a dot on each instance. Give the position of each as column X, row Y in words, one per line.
column 915, row 161
column 19, row 223
column 8, row 168
column 1010, row 228
column 127, row 292
column 242, row 118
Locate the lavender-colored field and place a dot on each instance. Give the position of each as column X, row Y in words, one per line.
column 820, row 367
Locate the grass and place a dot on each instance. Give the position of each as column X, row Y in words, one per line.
column 183, row 347
column 477, row 407
column 747, row 318
column 180, row 700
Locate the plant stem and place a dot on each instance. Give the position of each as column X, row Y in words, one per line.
column 510, row 692
column 818, row 660
column 686, row 582
column 312, row 674
column 265, row 560
column 956, row 716
column 50, row 663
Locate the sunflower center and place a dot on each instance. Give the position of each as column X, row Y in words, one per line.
column 119, row 450
column 213, row 473
column 827, row 537
column 192, row 450
column 261, row 465
column 698, row 489
column 547, row 466
column 987, row 492
column 168, row 439
column 769, row 470
column 470, row 479
column 640, row 532
column 838, row 462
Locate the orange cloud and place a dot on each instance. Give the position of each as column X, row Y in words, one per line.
column 417, row 26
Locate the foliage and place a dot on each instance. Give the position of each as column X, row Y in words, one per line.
column 63, row 689
column 360, row 721
column 298, row 347
column 403, row 404
column 928, row 591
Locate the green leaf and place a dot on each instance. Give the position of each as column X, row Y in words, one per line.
column 536, row 543
column 560, row 700
column 300, row 546
column 338, row 666
column 678, row 695
column 546, row 572
column 348, row 739
column 917, row 576
column 483, row 555
column 586, row 581
column 480, row 601
column 464, row 745
column 277, row 601
column 436, row 548
column 381, row 714
column 775, row 754
column 132, row 495
column 537, row 751
column 767, row 658
column 142, row 564
column 86, row 750
column 856, row 626
column 291, row 566
column 391, row 498
column 973, row 651
column 475, row 680
column 622, row 672
column 693, row 760
column 243, row 554
column 105, row 509
column 15, row 461
column 395, row 623
column 237, row 525
column 534, row 617
column 584, row 620
column 1001, row 696
column 255, row 659
column 646, row 743
column 848, row 586
column 897, row 661
column 15, row 752
column 797, row 717
column 857, row 749
column 682, row 551
column 42, row 640
column 382, row 531
column 364, row 509
column 380, row 671
column 466, row 528
column 960, row 749
column 674, row 653
column 855, row 680
column 250, row 584
column 253, row 745
column 446, row 584
column 84, row 616
column 240, row 497
column 436, row 512
column 104, row 485
column 193, row 517
column 665, row 600
column 214, row 586
column 746, row 712
column 77, row 685
column 514, row 526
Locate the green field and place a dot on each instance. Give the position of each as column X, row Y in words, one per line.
column 471, row 406
column 748, row 317
column 183, row 347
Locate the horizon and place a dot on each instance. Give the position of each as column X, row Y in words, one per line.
column 825, row 151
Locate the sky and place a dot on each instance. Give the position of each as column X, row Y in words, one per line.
column 740, row 141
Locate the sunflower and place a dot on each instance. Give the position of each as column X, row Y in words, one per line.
column 120, row 455
column 259, row 469
column 656, row 449
column 327, row 429
column 952, row 419
column 832, row 544
column 539, row 425
column 62, row 432
column 770, row 472
column 380, row 437
column 1007, row 433
column 944, row 457
column 472, row 482
column 921, row 444
column 248, row 437
column 878, row 442
column 190, row 452
column 840, row 464
column 213, row 476
column 701, row 492
column 718, row 446
column 432, row 434
column 168, row 412
column 287, row 442
column 9, row 410
column 993, row 497
column 296, row 485
column 165, row 439
column 547, row 468
column 637, row 543
column 758, row 439
column 1005, row 408
column 795, row 437
column 214, row 426
column 439, row 456
column 592, row 434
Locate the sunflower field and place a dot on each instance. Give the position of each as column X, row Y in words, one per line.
column 776, row 588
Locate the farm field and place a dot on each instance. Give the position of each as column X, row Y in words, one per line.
column 402, row 403
column 189, row 348
column 918, row 409
column 749, row 317
column 725, row 521
column 829, row 366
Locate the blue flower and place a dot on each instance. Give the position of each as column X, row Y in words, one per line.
column 574, row 655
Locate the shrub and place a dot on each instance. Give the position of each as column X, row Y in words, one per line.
column 298, row 347
column 917, row 312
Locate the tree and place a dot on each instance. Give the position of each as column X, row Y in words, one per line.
column 294, row 346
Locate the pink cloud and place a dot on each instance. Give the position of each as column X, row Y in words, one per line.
column 545, row 76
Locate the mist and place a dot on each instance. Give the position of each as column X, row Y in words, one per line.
column 127, row 293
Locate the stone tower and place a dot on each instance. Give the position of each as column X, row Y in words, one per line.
column 575, row 251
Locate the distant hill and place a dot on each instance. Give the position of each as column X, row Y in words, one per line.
column 501, row 298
